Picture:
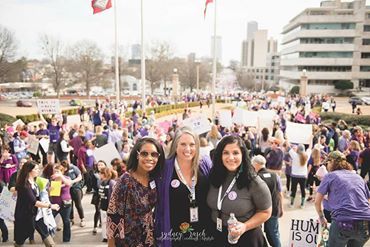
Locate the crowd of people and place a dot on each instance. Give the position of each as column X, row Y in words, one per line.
column 174, row 187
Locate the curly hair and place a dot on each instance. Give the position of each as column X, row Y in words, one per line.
column 338, row 162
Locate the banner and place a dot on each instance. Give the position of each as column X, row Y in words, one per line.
column 199, row 124
column 73, row 119
column 107, row 153
column 48, row 106
column 7, row 204
column 225, row 119
column 33, row 143
column 44, row 142
column 304, row 233
column 298, row 133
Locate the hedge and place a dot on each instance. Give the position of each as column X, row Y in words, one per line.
column 6, row 119
column 348, row 118
column 36, row 117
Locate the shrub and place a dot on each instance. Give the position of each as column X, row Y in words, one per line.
column 343, row 85
column 294, row 90
column 6, row 119
column 348, row 118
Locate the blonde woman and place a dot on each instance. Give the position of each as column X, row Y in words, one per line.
column 182, row 192
column 214, row 136
column 299, row 172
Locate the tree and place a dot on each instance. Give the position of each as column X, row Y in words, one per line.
column 343, row 85
column 88, row 60
column 246, row 80
column 294, row 90
column 8, row 48
column 53, row 49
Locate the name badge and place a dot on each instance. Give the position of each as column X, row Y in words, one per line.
column 152, row 184
column 267, row 175
column 194, row 214
column 219, row 224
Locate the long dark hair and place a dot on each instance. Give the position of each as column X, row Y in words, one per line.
column 133, row 161
column 218, row 172
column 22, row 179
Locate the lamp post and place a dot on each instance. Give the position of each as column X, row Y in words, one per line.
column 197, row 67
column 304, row 82
column 175, row 82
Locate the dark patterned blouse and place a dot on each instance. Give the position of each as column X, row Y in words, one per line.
column 130, row 213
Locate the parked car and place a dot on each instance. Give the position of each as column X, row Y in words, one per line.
column 75, row 102
column 24, row 103
column 366, row 100
column 356, row 100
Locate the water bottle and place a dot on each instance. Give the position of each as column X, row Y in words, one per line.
column 230, row 224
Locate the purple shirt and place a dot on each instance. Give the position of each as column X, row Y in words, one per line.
column 347, row 195
column 53, row 132
column 64, row 195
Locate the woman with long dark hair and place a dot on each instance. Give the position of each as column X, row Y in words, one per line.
column 27, row 206
column 236, row 188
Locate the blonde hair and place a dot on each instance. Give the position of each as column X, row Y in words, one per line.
column 179, row 133
column 303, row 157
column 316, row 156
column 354, row 145
column 213, row 133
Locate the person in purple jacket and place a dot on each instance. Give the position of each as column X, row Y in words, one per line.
column 53, row 126
column 8, row 164
column 349, row 201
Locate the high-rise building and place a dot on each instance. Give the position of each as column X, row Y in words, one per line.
column 218, row 47
column 135, row 51
column 252, row 27
column 331, row 43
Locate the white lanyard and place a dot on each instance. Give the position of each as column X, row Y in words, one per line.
column 219, row 199
column 182, row 178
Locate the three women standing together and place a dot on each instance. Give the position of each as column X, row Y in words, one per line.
column 176, row 199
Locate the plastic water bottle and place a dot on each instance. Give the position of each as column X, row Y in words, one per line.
column 230, row 224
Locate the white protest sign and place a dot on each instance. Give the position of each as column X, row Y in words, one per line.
column 73, row 119
column 304, row 233
column 238, row 117
column 33, row 143
column 281, row 100
column 250, row 118
column 266, row 119
column 18, row 122
column 44, row 142
column 298, row 133
column 199, row 124
column 48, row 106
column 225, row 119
column 107, row 153
column 7, row 204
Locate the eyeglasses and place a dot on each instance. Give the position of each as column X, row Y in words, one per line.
column 145, row 154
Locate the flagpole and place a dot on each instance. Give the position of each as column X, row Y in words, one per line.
column 142, row 60
column 214, row 70
column 116, row 53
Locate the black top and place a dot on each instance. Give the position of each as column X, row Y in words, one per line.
column 185, row 233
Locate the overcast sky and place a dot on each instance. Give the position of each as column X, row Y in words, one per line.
column 178, row 22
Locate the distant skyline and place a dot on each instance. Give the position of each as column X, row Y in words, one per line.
column 178, row 22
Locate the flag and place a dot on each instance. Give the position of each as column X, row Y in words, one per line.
column 100, row 5
column 205, row 8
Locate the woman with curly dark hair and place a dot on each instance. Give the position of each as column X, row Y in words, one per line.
column 348, row 199
column 235, row 188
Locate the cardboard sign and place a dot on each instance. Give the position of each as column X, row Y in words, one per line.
column 42, row 182
column 55, row 188
column 266, row 119
column 73, row 119
column 48, row 106
column 107, row 153
column 250, row 119
column 304, row 233
column 33, row 143
column 7, row 204
column 225, row 119
column 44, row 142
column 298, row 133
column 18, row 122
column 199, row 124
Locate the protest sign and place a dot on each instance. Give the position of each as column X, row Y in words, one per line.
column 281, row 100
column 199, row 124
column 42, row 182
column 238, row 117
column 304, row 233
column 33, row 143
column 298, row 133
column 250, row 119
column 7, row 204
column 44, row 142
column 18, row 122
column 266, row 119
column 48, row 106
column 107, row 153
column 55, row 188
column 73, row 119
column 225, row 119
